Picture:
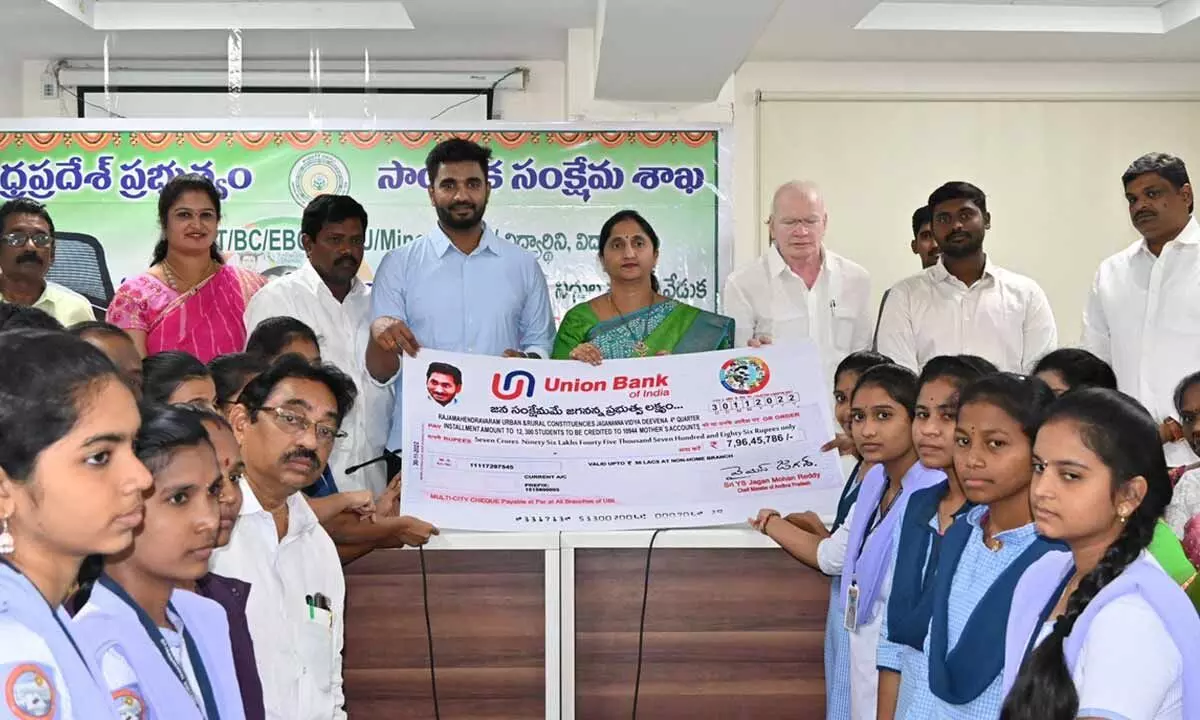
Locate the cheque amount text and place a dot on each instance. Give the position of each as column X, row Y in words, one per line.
column 758, row 440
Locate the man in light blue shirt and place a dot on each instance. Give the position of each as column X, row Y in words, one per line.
column 459, row 287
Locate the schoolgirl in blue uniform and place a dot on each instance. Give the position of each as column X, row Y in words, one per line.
column 881, row 416
column 982, row 555
column 929, row 514
column 830, row 549
column 1100, row 631
column 165, row 653
column 70, row 487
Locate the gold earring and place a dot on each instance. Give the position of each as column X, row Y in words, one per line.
column 1122, row 517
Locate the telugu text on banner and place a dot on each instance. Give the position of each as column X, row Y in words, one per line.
column 551, row 191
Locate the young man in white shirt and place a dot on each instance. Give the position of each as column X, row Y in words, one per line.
column 965, row 304
column 924, row 246
column 799, row 289
column 1143, row 312
column 286, row 421
column 327, row 296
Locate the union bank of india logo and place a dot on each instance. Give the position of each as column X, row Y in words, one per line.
column 745, row 375
column 513, row 385
column 318, row 173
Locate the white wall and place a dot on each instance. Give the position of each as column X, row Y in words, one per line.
column 953, row 82
column 544, row 98
column 844, row 80
column 10, row 89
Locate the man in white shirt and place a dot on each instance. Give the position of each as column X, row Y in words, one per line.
column 965, row 303
column 1143, row 312
column 327, row 296
column 924, row 246
column 799, row 289
column 26, row 254
column 286, row 421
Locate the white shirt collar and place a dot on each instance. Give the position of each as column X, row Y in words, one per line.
column 1189, row 235
column 777, row 266
column 443, row 245
column 311, row 279
column 938, row 272
column 300, row 515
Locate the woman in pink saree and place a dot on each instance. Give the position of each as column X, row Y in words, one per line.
column 189, row 299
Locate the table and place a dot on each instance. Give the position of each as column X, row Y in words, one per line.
column 545, row 625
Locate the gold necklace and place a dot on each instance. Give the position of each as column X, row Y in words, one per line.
column 172, row 277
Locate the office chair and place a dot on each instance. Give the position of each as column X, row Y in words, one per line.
column 79, row 264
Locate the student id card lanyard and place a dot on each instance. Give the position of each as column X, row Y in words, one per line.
column 205, row 701
column 850, row 621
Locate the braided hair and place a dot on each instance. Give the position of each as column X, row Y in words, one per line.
column 1125, row 438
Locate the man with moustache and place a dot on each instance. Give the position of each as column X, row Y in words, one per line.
column 966, row 304
column 443, row 382
column 460, row 287
column 286, row 421
column 1143, row 311
column 26, row 252
column 327, row 296
column 799, row 289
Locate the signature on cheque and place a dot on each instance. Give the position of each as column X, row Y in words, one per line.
column 733, row 472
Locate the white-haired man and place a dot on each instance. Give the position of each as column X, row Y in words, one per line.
column 799, row 289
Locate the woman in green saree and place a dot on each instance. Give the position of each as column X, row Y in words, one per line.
column 632, row 319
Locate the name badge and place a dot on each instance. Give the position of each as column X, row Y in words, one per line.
column 851, row 619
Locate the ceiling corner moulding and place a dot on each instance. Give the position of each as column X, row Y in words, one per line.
column 81, row 10
column 1177, row 13
column 264, row 15
column 1015, row 18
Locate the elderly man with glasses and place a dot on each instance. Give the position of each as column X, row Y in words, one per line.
column 286, row 421
column 26, row 252
column 800, row 289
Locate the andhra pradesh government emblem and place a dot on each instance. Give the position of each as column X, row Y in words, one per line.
column 745, row 375
column 129, row 704
column 318, row 173
column 29, row 694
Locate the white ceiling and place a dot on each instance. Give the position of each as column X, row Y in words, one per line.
column 536, row 30
column 824, row 30
column 1063, row 3
column 445, row 29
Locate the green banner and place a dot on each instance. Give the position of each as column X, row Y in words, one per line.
column 551, row 192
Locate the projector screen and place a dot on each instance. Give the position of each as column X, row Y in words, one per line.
column 415, row 105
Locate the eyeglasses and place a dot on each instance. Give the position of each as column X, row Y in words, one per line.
column 807, row 222
column 16, row 239
column 294, row 424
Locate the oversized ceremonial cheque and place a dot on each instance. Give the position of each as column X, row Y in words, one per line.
column 675, row 441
